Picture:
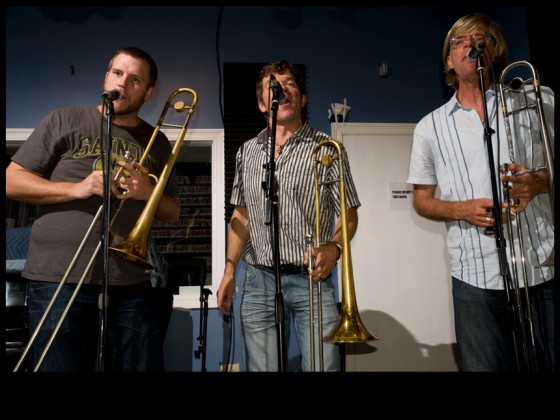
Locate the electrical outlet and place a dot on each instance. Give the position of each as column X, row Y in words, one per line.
column 384, row 70
column 232, row 367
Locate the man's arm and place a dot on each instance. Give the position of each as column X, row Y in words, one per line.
column 28, row 187
column 237, row 237
column 476, row 212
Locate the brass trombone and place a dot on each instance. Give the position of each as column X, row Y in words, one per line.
column 133, row 248
column 350, row 328
column 522, row 333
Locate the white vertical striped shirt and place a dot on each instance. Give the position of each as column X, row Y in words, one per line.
column 295, row 189
column 449, row 150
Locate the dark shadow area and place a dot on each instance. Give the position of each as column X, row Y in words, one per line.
column 15, row 315
column 184, row 271
column 164, row 304
column 16, row 330
column 80, row 14
column 397, row 349
column 539, row 24
column 178, row 348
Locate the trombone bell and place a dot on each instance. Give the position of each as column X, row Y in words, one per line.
column 350, row 328
column 133, row 251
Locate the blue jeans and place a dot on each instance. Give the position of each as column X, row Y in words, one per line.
column 132, row 331
column 258, row 320
column 484, row 334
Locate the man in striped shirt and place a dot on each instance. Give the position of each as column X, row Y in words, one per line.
column 251, row 238
column 450, row 151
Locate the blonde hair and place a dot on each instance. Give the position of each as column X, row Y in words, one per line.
column 468, row 23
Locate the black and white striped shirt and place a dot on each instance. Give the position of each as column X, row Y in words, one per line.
column 295, row 188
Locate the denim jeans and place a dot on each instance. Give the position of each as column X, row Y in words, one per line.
column 484, row 335
column 258, row 320
column 132, row 332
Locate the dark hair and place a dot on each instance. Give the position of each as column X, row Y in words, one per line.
column 142, row 55
column 280, row 67
column 468, row 23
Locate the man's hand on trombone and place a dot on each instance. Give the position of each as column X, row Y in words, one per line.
column 525, row 184
column 325, row 258
column 135, row 184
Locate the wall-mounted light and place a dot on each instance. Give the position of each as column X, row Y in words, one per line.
column 384, row 70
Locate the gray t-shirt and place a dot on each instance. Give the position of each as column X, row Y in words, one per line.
column 67, row 146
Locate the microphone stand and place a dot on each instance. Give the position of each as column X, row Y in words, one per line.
column 204, row 293
column 272, row 219
column 103, row 296
column 497, row 230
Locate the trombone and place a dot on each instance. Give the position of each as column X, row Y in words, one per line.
column 350, row 328
column 133, row 248
column 516, row 85
column 524, row 346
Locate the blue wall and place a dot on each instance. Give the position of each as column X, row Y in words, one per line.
column 57, row 57
column 190, row 43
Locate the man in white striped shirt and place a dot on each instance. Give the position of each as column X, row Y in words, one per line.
column 450, row 152
column 252, row 239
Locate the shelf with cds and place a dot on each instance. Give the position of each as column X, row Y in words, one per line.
column 186, row 246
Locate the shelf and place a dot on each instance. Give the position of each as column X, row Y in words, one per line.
column 188, row 243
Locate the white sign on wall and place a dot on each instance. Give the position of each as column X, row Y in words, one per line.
column 400, row 195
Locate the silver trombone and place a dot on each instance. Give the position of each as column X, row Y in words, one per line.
column 310, row 266
column 516, row 86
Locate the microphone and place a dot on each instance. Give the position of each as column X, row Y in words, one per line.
column 112, row 95
column 278, row 95
column 475, row 51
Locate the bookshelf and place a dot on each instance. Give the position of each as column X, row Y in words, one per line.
column 186, row 246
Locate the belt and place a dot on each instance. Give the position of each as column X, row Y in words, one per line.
column 288, row 269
